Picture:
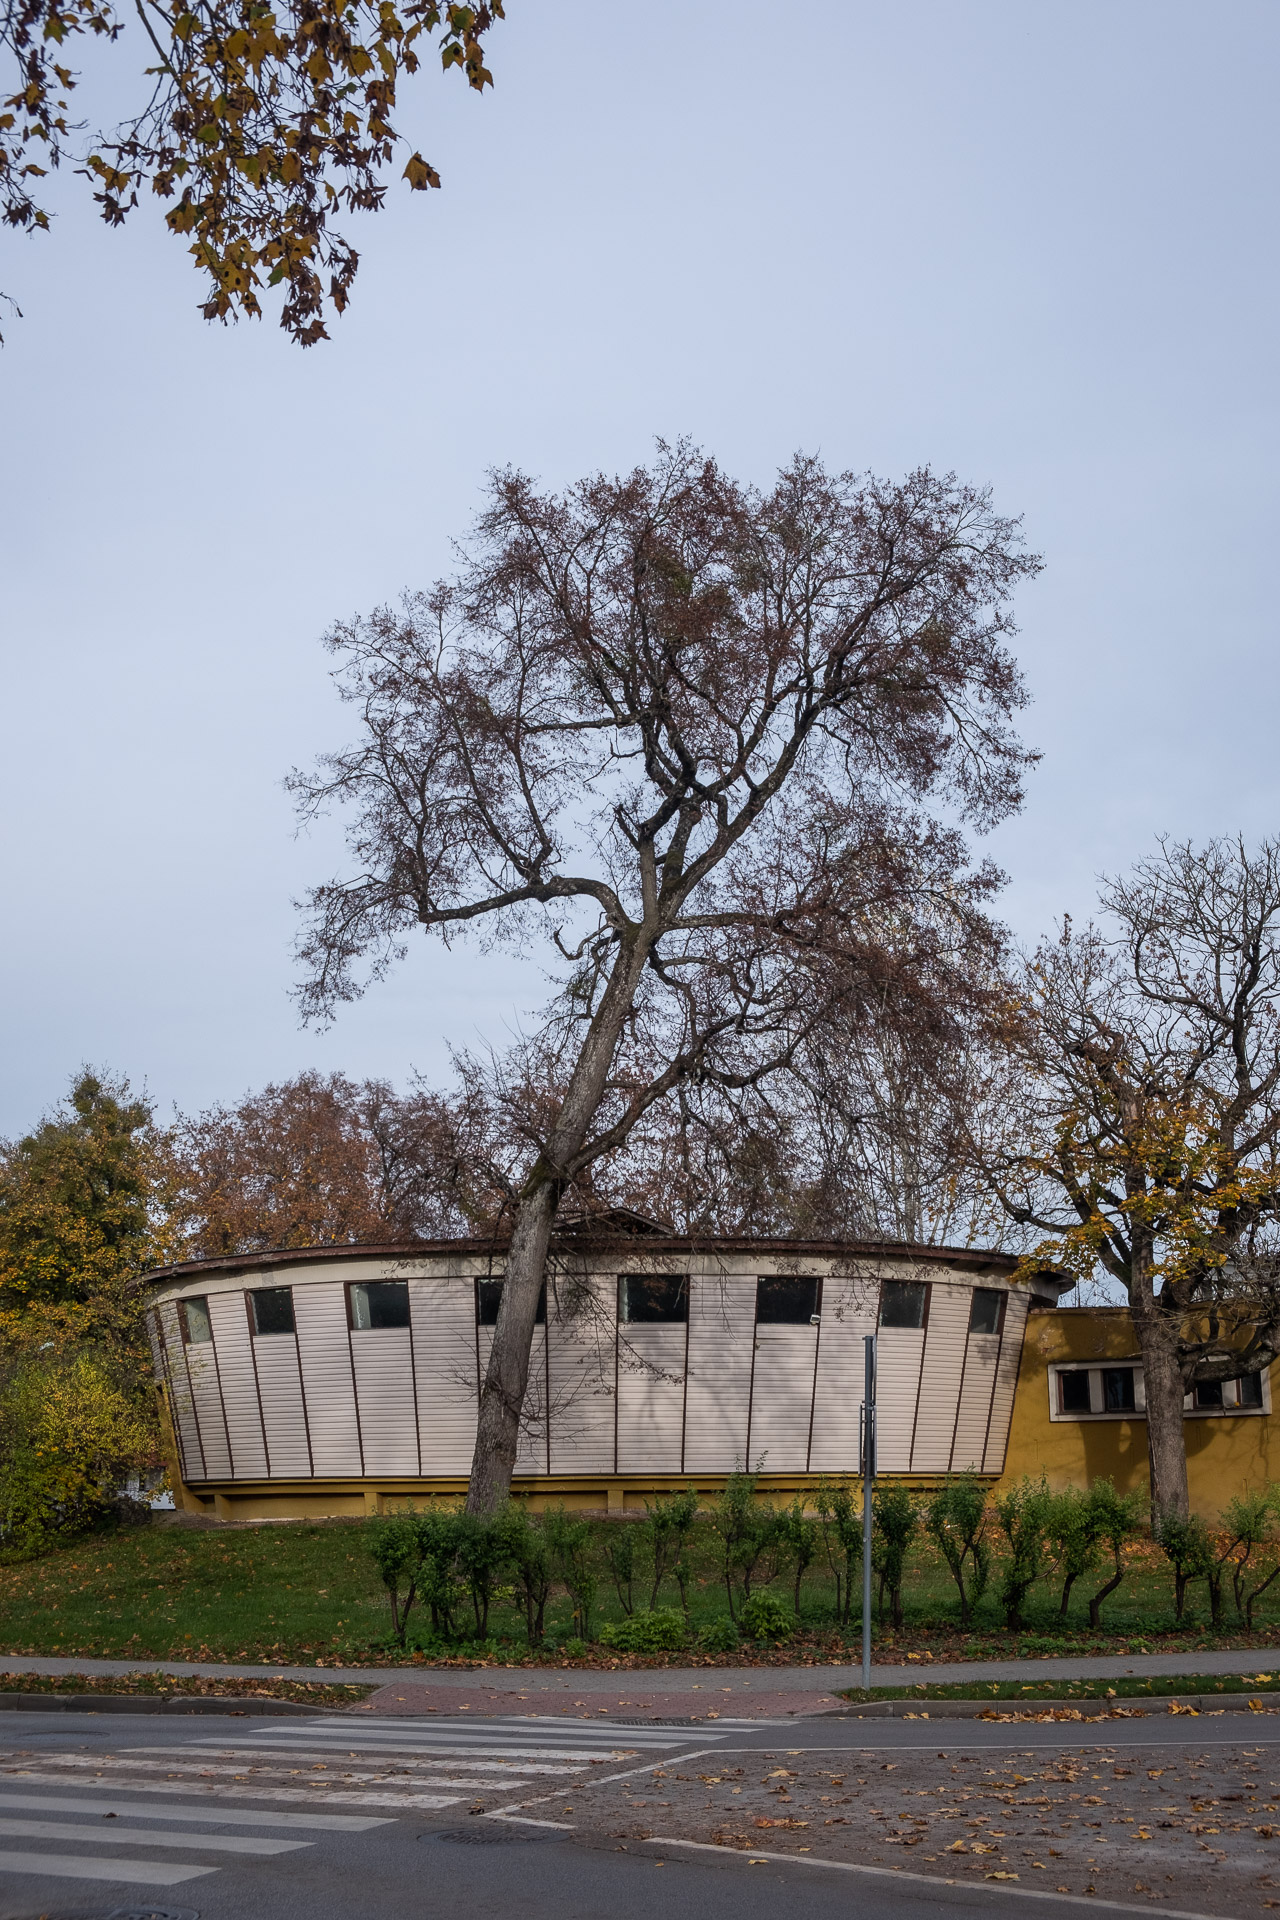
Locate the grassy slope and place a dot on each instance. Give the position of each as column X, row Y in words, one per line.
column 308, row 1593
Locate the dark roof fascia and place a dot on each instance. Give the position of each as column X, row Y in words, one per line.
column 624, row 1245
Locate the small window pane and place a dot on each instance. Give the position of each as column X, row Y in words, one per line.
column 902, row 1303
column 1208, row 1393
column 782, row 1300
column 1249, row 1390
column 1073, row 1392
column 196, row 1328
column 985, row 1309
column 653, row 1297
column 272, row 1309
column 1117, row 1389
column 489, row 1298
column 380, row 1303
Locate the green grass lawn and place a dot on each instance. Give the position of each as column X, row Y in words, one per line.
column 1126, row 1687
column 309, row 1593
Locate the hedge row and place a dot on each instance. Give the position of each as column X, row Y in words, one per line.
column 454, row 1567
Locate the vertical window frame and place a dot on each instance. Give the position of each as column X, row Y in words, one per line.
column 398, row 1326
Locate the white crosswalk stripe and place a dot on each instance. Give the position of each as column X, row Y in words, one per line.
column 398, row 1766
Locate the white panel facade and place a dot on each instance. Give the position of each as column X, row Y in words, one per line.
column 782, row 1399
column 651, row 1389
column 382, row 1359
column 1015, row 1321
column 186, row 1423
column 442, row 1314
column 849, row 1306
column 722, row 1312
column 973, row 1410
column 284, row 1417
column 581, row 1329
column 943, row 1364
column 898, row 1355
column 320, row 1316
column 235, row 1373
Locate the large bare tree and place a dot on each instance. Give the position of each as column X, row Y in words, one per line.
column 715, row 746
column 1147, row 1141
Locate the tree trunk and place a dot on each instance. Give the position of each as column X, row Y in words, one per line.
column 1166, row 1446
column 507, row 1375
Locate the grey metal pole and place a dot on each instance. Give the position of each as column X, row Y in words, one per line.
column 868, row 1482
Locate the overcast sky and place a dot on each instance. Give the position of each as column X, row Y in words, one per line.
column 1035, row 244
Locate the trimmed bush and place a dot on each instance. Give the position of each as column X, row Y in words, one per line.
column 762, row 1616
column 651, row 1630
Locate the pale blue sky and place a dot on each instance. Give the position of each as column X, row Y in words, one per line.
column 1033, row 243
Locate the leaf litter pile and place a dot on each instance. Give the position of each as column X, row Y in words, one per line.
column 1201, row 1831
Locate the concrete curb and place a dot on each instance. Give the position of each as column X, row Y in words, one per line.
column 1089, row 1709
column 143, row 1703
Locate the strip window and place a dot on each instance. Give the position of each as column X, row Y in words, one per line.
column 653, row 1299
column 489, row 1299
column 193, row 1316
column 271, row 1309
column 378, row 1303
column 986, row 1310
column 788, row 1300
column 904, row 1303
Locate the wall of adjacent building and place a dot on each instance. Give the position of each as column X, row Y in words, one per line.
column 1226, row 1452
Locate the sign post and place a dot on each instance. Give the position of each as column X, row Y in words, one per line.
column 868, row 1483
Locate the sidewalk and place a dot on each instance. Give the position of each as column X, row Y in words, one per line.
column 732, row 1689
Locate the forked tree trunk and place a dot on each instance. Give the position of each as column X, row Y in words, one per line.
column 507, row 1375
column 1166, row 1445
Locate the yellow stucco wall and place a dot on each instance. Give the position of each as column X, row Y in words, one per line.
column 1225, row 1452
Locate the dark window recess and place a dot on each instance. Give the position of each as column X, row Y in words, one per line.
column 653, row 1297
column 489, row 1297
column 272, row 1309
column 902, row 1303
column 197, row 1330
column 1117, row 1389
column 379, row 1303
column 1249, row 1390
column 1208, row 1393
column 986, row 1310
column 784, row 1301
column 1073, row 1392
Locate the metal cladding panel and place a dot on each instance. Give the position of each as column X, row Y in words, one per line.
column 722, row 1313
column 186, row 1426
column 206, row 1394
column 280, row 1384
column 943, row 1364
column 531, row 1446
column 580, row 1355
column 443, row 1317
column 382, row 1358
column 1015, row 1320
column 898, row 1355
column 848, row 1315
column 782, row 1399
column 231, row 1337
column 969, row 1444
column 651, row 1398
column 320, row 1315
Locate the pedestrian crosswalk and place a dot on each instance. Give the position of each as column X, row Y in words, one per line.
column 358, row 1775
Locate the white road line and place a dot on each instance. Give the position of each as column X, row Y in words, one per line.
column 214, row 1789
column 493, row 1748
column 139, row 1836
column 587, row 1733
column 253, row 1774
column 503, row 1770
column 223, row 1817
column 146, row 1873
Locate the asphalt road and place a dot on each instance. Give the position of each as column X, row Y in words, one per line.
column 331, row 1818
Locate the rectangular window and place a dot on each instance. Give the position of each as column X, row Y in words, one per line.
column 379, row 1303
column 197, row 1330
column 489, row 1298
column 1208, row 1393
column 902, row 1303
column 783, row 1300
column 1249, row 1390
column 271, row 1309
column 653, row 1297
column 1073, row 1392
column 1117, row 1389
column 986, row 1310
